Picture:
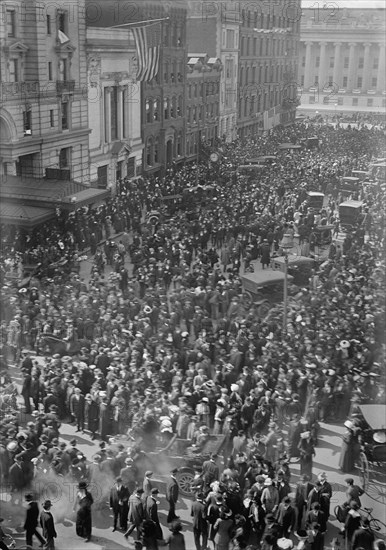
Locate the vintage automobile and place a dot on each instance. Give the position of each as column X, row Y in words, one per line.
column 350, row 214
column 349, row 185
column 315, row 200
column 299, row 267
column 372, row 458
column 263, row 289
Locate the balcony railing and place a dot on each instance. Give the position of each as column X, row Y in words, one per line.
column 65, row 86
column 12, row 90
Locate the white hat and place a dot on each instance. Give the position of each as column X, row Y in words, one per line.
column 284, row 544
column 268, row 482
column 304, row 435
column 234, row 387
column 349, row 424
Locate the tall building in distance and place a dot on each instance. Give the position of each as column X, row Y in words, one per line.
column 268, row 63
column 43, row 105
column 342, row 60
column 213, row 27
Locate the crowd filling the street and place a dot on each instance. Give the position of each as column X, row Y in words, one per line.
column 132, row 325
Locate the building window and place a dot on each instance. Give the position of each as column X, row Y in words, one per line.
column 303, row 61
column 345, row 63
column 173, row 108
column 62, row 21
column 370, row 102
column 13, row 70
column 166, row 109
column 155, row 110
column 63, row 66
column 383, row 102
column 376, row 63
column 359, row 82
column 156, row 151
column 166, row 72
column 124, row 112
column 102, row 176
column 230, row 40
column 317, row 62
column 50, row 70
column 331, row 62
column 360, row 63
column 48, row 23
column 345, row 79
column 11, row 23
column 52, row 118
column 311, row 99
column 302, row 80
column 149, row 160
column 355, row 101
column 114, row 113
column 27, row 119
column 64, row 157
column 148, row 110
column 180, row 106
column 374, row 82
column 64, row 108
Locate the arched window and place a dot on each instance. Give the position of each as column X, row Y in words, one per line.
column 148, row 107
column 179, row 145
column 156, row 109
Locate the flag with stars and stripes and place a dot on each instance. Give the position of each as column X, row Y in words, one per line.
column 148, row 42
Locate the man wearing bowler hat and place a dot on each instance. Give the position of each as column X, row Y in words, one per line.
column 31, row 521
column 152, row 511
column 172, row 490
column 48, row 525
column 136, row 512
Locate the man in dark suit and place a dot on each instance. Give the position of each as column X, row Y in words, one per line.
column 17, row 477
column 31, row 521
column 210, row 470
column 136, row 512
column 48, row 526
column 200, row 525
column 363, row 537
column 172, row 491
column 152, row 511
column 119, row 503
column 77, row 404
column 286, row 517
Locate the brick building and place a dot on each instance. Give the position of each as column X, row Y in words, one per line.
column 202, row 101
column 268, row 62
column 342, row 60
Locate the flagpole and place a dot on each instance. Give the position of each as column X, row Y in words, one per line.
column 139, row 23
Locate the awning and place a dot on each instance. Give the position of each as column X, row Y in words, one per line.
column 23, row 189
column 87, row 196
column 24, row 216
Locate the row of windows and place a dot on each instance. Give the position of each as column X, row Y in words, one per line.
column 263, row 21
column 201, row 112
column 203, row 89
column 259, row 47
column 173, row 108
column 152, row 151
column 173, row 35
column 265, row 75
column 64, row 118
column 359, row 82
column 258, row 104
column 346, row 61
column 61, row 22
column 339, row 101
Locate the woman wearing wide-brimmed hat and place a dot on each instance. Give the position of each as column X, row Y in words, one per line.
column 82, row 506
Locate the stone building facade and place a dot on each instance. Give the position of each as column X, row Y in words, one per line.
column 342, row 60
column 43, row 105
column 114, row 106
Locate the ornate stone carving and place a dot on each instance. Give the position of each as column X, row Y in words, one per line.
column 94, row 70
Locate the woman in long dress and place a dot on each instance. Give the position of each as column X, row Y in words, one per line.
column 82, row 506
column 348, row 453
column 223, row 527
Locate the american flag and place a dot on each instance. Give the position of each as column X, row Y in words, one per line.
column 148, row 40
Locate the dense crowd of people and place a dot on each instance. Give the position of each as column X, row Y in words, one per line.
column 161, row 343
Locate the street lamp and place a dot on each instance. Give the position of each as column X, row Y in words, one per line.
column 286, row 244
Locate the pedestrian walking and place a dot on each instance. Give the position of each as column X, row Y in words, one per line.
column 47, row 524
column 136, row 512
column 200, row 524
column 172, row 491
column 83, row 503
column 119, row 503
column 31, row 521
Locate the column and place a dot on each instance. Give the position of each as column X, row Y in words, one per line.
column 352, row 64
column 307, row 69
column 120, row 111
column 366, row 83
column 107, row 108
column 381, row 69
column 337, row 78
column 322, row 65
